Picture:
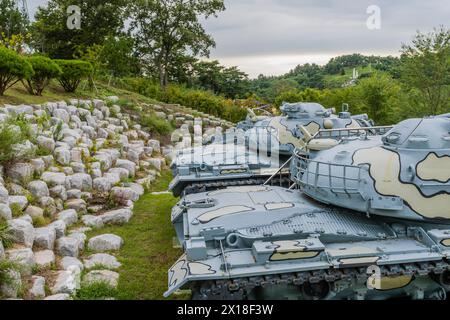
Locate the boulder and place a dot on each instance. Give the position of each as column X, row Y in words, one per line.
column 80, row 237
column 62, row 155
column 5, row 211
column 79, row 181
column 69, row 217
column 103, row 260
column 121, row 195
column 59, row 192
column 54, row 178
column 2, row 251
column 10, row 289
column 44, row 238
column 66, row 262
column 69, row 247
column 38, row 165
column 59, row 296
column 37, row 290
column 20, row 173
column 34, row 212
column 127, row 164
column 38, row 189
column 46, row 143
column 102, row 185
column 116, row 217
column 102, row 276
column 105, row 242
column 3, row 194
column 92, row 221
column 67, row 281
column 79, row 205
column 44, row 259
column 20, row 201
column 22, row 257
column 60, row 228
column 21, row 231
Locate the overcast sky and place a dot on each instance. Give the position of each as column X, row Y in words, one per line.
column 273, row 36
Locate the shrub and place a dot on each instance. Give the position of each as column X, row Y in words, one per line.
column 73, row 71
column 13, row 68
column 95, row 291
column 9, row 137
column 45, row 69
column 155, row 124
column 5, row 235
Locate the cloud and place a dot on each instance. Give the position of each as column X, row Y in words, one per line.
column 272, row 36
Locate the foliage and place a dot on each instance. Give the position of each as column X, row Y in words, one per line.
column 14, row 131
column 13, row 68
column 99, row 19
column 167, row 30
column 96, row 290
column 119, row 57
column 44, row 71
column 5, row 236
column 73, row 71
column 13, row 22
column 155, row 124
column 426, row 67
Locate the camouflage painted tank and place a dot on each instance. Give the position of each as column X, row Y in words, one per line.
column 252, row 156
column 265, row 242
column 252, row 118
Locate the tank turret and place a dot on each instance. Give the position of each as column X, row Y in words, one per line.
column 402, row 174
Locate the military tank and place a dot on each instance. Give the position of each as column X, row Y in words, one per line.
column 252, row 118
column 248, row 157
column 370, row 221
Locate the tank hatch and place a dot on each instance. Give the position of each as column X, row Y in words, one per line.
column 426, row 133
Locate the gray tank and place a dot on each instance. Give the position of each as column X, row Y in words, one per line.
column 375, row 241
column 231, row 159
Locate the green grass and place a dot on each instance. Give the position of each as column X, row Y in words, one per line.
column 148, row 250
column 95, row 291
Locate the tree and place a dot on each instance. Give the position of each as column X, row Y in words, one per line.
column 426, row 67
column 119, row 57
column 12, row 20
column 13, row 68
column 99, row 19
column 45, row 70
column 167, row 29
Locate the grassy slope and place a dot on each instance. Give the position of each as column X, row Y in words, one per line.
column 148, row 245
column 338, row 80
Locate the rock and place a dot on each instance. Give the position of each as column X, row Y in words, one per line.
column 61, row 114
column 121, row 195
column 69, row 217
column 102, row 185
column 62, row 155
column 127, row 164
column 20, row 201
column 105, row 242
column 79, row 205
column 69, row 247
column 154, row 144
column 116, row 217
column 2, row 251
column 59, row 192
column 92, row 221
column 80, row 181
column 80, row 237
column 103, row 276
column 113, row 99
column 54, row 178
column 20, row 173
column 67, row 281
column 103, row 260
column 73, row 194
column 3, row 194
column 34, row 212
column 59, row 296
column 156, row 162
column 22, row 257
column 38, row 165
column 37, row 290
column 121, row 172
column 44, row 238
column 44, row 259
column 67, row 262
column 60, row 228
column 21, row 232
column 5, row 211
column 11, row 288
column 46, row 143
column 38, row 189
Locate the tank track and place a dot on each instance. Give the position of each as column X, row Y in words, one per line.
column 210, row 186
column 313, row 284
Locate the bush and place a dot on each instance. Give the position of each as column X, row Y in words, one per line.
column 73, row 71
column 13, row 68
column 45, row 69
column 155, row 124
column 13, row 132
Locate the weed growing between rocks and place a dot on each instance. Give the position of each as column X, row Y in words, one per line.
column 96, row 291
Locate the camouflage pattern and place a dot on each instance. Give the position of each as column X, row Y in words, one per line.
column 403, row 174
